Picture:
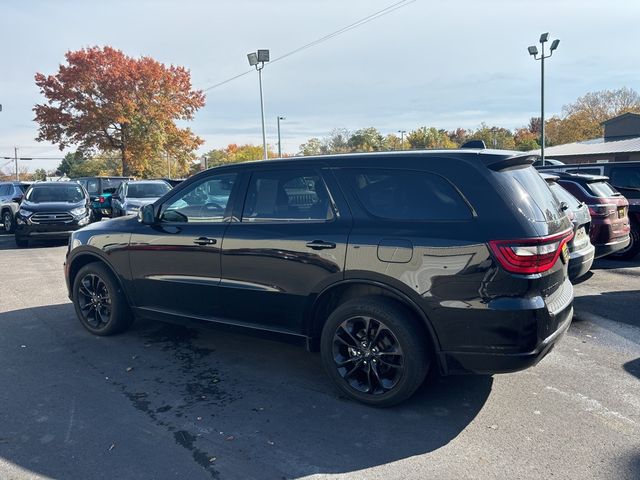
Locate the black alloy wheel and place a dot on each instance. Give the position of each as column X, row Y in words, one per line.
column 368, row 355
column 375, row 350
column 94, row 301
column 99, row 301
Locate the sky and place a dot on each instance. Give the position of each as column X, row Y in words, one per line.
column 429, row 63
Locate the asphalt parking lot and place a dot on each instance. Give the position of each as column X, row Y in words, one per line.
column 162, row 401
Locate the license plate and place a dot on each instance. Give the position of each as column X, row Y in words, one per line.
column 565, row 253
column 620, row 212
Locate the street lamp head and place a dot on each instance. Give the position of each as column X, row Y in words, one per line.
column 544, row 37
column 253, row 59
column 533, row 50
column 282, row 118
column 263, row 55
column 554, row 44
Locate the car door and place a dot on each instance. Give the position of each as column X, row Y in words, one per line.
column 290, row 242
column 175, row 263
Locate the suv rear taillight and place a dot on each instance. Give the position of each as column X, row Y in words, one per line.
column 531, row 255
column 602, row 209
column 101, row 199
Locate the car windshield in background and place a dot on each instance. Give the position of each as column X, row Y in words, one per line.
column 147, row 190
column 111, row 184
column 71, row 193
column 602, row 189
column 563, row 196
column 625, row 177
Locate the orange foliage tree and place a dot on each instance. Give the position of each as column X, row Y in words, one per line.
column 103, row 100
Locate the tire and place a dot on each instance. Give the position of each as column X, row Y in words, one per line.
column 108, row 313
column 633, row 248
column 8, row 221
column 21, row 242
column 367, row 374
column 97, row 217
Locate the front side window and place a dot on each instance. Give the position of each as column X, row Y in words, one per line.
column 287, row 196
column 202, row 202
column 406, row 195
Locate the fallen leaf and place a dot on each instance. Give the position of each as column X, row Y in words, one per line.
column 129, row 369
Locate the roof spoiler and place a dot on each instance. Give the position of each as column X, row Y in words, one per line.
column 514, row 161
column 474, row 144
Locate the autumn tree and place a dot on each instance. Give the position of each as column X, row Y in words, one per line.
column 104, row 101
column 494, row 137
column 424, row 137
column 234, row 153
column 366, row 140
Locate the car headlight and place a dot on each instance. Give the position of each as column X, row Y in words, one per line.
column 77, row 212
column 25, row 213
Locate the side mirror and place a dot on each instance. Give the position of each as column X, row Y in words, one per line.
column 147, row 214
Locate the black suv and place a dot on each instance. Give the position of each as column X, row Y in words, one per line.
column 51, row 210
column 388, row 263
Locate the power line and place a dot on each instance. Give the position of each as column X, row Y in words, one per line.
column 380, row 13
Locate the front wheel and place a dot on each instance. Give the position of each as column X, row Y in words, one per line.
column 99, row 301
column 375, row 351
column 8, row 221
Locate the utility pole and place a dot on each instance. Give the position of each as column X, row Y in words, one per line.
column 402, row 132
column 15, row 156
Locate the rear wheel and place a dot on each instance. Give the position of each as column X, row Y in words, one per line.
column 97, row 217
column 634, row 245
column 8, row 221
column 99, row 301
column 375, row 351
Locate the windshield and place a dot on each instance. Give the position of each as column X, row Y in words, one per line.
column 71, row 193
column 602, row 189
column 110, row 185
column 147, row 190
column 563, row 196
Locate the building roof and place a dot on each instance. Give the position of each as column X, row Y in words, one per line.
column 596, row 146
column 624, row 116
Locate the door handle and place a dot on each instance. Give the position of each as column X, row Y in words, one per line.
column 320, row 245
column 205, row 241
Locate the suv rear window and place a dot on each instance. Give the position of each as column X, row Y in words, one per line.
column 563, row 196
column 530, row 194
column 406, row 195
column 602, row 189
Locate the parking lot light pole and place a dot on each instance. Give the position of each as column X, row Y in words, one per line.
column 533, row 51
column 279, row 141
column 402, row 132
column 258, row 59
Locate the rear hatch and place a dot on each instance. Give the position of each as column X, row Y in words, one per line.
column 608, row 206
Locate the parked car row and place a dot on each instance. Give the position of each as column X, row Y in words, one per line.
column 55, row 209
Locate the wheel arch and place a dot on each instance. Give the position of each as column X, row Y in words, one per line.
column 86, row 257
column 329, row 298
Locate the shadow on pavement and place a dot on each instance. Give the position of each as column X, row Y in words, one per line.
column 633, row 367
column 7, row 242
column 611, row 264
column 617, row 306
column 162, row 401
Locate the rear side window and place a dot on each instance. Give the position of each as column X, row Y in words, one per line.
column 406, row 195
column 287, row 196
column 602, row 189
column 530, row 194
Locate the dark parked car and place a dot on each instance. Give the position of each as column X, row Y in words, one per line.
column 100, row 189
column 581, row 251
column 609, row 231
column 11, row 194
column 51, row 210
column 388, row 263
column 133, row 194
column 624, row 177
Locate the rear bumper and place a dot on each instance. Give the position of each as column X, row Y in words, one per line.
column 615, row 245
column 580, row 262
column 554, row 319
